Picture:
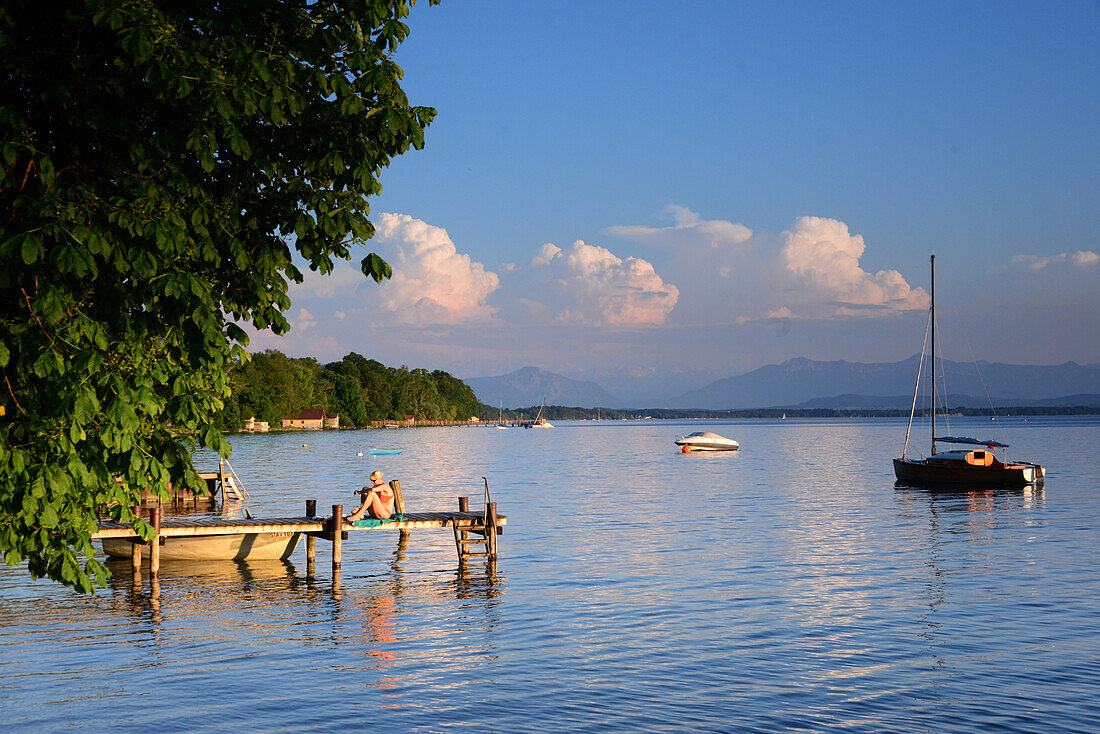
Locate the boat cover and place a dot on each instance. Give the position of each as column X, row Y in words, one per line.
column 971, row 441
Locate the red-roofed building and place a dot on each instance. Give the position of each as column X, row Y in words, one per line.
column 314, row 418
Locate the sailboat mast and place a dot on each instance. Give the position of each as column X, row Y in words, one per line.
column 933, row 355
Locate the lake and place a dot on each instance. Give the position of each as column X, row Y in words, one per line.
column 787, row 587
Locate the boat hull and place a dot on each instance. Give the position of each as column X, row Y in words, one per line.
column 703, row 446
column 246, row 546
column 375, row 451
column 920, row 472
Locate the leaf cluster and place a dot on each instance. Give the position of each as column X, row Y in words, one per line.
column 160, row 163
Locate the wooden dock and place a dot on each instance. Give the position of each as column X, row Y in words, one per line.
column 472, row 530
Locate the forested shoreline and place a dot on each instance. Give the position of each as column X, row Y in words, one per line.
column 271, row 386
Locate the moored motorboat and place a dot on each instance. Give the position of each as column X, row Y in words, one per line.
column 977, row 467
column 706, row 441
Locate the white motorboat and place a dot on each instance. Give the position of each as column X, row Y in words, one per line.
column 706, row 441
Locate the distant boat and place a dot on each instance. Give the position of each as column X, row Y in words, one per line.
column 539, row 421
column 501, row 425
column 706, row 441
column 784, row 417
column 376, row 451
column 976, row 467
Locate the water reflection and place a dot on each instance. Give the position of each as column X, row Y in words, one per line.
column 967, row 533
column 974, row 498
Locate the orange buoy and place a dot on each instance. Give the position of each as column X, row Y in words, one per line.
column 685, row 449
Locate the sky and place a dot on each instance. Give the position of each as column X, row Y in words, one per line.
column 642, row 188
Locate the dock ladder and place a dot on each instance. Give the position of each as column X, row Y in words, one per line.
column 481, row 532
column 232, row 487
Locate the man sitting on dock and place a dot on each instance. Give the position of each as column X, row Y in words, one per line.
column 377, row 500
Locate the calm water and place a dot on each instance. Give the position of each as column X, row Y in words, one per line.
column 788, row 587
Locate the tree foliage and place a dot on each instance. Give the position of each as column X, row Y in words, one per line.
column 160, row 163
column 271, row 386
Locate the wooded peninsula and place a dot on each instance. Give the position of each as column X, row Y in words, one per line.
column 271, row 386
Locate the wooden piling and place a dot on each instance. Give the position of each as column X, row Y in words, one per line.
column 399, row 508
column 135, row 549
column 337, row 535
column 491, row 530
column 221, row 481
column 154, row 544
column 311, row 542
column 398, row 499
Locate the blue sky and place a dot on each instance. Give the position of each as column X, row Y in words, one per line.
column 642, row 187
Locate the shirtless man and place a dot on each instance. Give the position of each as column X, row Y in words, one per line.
column 377, row 499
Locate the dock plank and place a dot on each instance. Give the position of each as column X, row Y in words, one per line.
column 184, row 527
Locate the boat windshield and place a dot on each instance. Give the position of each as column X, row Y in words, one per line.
column 971, row 441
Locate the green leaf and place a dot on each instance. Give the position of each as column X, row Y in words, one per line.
column 377, row 268
column 31, row 250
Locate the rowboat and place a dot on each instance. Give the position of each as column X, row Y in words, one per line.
column 378, row 451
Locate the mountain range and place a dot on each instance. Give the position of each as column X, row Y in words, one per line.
column 807, row 383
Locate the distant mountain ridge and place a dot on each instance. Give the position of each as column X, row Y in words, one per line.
column 526, row 386
column 807, row 383
column 800, row 380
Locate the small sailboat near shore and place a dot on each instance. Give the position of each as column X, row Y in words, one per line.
column 501, row 425
column 539, row 421
column 973, row 466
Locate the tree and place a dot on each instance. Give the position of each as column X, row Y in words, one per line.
column 159, row 165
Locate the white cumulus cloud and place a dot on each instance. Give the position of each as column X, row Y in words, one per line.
column 824, row 256
column 432, row 282
column 601, row 289
column 1081, row 258
column 545, row 254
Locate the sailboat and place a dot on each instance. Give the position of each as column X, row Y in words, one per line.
column 539, row 421
column 501, row 425
column 973, row 466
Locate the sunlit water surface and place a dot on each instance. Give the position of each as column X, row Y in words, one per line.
column 788, row 587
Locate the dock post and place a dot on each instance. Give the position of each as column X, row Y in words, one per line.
column 461, row 536
column 135, row 549
column 154, row 544
column 311, row 542
column 221, row 481
column 337, row 535
column 491, row 530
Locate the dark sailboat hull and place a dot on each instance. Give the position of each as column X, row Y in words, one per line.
column 921, row 472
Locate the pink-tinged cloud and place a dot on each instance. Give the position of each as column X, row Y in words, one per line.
column 823, row 256
column 1081, row 258
column 432, row 282
column 602, row 289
